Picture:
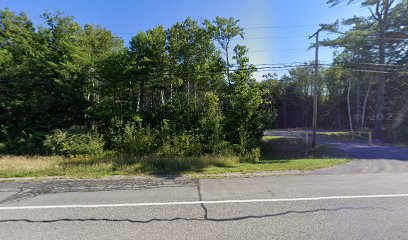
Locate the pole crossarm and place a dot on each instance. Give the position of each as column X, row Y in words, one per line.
column 317, row 32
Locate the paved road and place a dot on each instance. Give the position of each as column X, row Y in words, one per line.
column 367, row 158
column 366, row 199
column 357, row 206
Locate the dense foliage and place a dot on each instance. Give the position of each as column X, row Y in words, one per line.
column 188, row 90
column 169, row 93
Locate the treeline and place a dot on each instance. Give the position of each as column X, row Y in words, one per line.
column 365, row 88
column 186, row 90
column 189, row 89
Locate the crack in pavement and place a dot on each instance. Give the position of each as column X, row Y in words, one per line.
column 200, row 198
column 206, row 218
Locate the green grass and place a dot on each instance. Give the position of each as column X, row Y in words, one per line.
column 278, row 165
column 38, row 166
column 278, row 154
column 336, row 135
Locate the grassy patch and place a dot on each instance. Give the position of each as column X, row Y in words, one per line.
column 278, row 165
column 11, row 166
column 336, row 135
column 278, row 154
column 37, row 166
column 271, row 138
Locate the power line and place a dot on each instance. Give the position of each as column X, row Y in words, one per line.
column 289, row 26
column 246, row 28
column 264, row 68
column 277, row 50
column 330, row 64
column 237, row 39
column 269, row 37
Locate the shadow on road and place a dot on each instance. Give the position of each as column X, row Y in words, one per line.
column 358, row 150
column 354, row 148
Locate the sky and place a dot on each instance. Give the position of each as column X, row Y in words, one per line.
column 276, row 31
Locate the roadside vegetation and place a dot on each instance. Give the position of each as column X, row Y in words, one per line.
column 278, row 154
column 167, row 97
column 184, row 98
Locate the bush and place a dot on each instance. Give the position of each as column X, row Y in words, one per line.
column 251, row 156
column 210, row 123
column 72, row 144
column 183, row 145
column 3, row 147
column 401, row 134
column 137, row 141
column 160, row 165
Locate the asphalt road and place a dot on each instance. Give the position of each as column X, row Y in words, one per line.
column 353, row 206
column 365, row 199
column 375, row 158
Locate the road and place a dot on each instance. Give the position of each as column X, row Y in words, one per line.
column 367, row 158
column 366, row 199
column 354, row 206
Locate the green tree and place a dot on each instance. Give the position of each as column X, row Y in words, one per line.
column 224, row 31
column 243, row 113
column 377, row 29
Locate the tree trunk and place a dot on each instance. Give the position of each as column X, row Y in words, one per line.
column 138, row 102
column 195, row 94
column 363, row 111
column 338, row 118
column 228, row 71
column 171, row 91
column 358, row 102
column 141, row 90
column 162, row 97
column 188, row 91
column 348, row 106
column 382, row 18
column 380, row 89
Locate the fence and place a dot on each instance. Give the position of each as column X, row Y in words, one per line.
column 301, row 134
column 354, row 135
column 362, row 135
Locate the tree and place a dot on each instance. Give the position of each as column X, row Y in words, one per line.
column 380, row 20
column 148, row 62
column 224, row 31
column 172, row 81
column 244, row 114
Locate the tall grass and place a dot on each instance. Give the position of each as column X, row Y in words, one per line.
column 278, row 154
column 17, row 166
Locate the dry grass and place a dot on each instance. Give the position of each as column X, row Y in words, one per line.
column 28, row 163
column 88, row 167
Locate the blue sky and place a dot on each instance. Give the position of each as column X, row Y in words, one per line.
column 285, row 41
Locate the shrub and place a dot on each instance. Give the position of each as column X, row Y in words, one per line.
column 183, row 164
column 183, row 145
column 72, row 144
column 137, row 141
column 3, row 147
column 401, row 134
column 210, row 123
column 251, row 156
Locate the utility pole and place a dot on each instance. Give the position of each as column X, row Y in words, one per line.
column 314, row 124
